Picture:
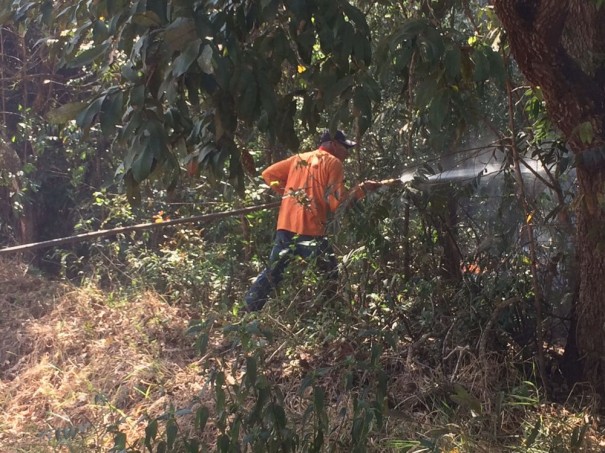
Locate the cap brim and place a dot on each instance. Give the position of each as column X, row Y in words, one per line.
column 348, row 143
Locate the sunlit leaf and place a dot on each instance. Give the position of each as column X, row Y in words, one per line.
column 205, row 60
column 88, row 56
column 66, row 112
column 190, row 54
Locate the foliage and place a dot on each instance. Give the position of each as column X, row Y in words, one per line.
column 437, row 283
column 181, row 78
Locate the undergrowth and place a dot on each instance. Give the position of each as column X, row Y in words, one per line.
column 145, row 375
column 148, row 351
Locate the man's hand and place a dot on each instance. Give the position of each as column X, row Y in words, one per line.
column 360, row 190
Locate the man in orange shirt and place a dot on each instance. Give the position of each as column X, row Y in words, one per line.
column 311, row 185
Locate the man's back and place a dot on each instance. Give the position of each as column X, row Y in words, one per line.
column 312, row 185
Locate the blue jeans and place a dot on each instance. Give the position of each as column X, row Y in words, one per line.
column 288, row 245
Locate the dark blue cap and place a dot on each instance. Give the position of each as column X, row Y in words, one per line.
column 339, row 136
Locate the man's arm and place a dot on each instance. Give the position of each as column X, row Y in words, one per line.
column 336, row 193
column 276, row 175
column 361, row 189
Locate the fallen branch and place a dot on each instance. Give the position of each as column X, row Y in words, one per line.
column 141, row 226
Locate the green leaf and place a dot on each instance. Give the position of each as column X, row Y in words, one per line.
column 201, row 344
column 222, row 443
column 6, row 15
column 452, row 61
column 279, row 415
column 371, row 87
column 267, row 97
column 326, row 39
column 182, row 63
column 410, row 29
column 137, row 95
column 141, row 167
column 465, row 399
column 585, row 132
column 431, row 45
column 85, row 118
column 201, row 418
column 119, row 441
column 319, row 399
column 22, row 11
column 151, row 431
column 334, row 91
column 248, row 98
column 496, row 67
column 251, row 370
column 533, row 435
column 481, row 65
column 133, row 191
column 345, row 38
column 147, row 19
column 180, row 33
column 402, row 58
column 111, row 112
column 205, row 60
column 88, row 56
column 363, row 109
column 439, row 109
column 171, row 432
column 66, row 112
column 362, row 52
column 130, row 74
column 425, row 91
column 205, row 153
column 100, row 32
column 357, row 17
column 159, row 8
column 403, row 445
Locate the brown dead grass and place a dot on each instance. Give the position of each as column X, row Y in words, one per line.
column 70, row 358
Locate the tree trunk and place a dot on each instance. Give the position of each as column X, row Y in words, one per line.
column 558, row 46
column 591, row 307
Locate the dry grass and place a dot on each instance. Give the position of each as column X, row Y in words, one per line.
column 74, row 358
column 64, row 351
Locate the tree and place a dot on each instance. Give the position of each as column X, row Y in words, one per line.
column 179, row 82
column 558, row 45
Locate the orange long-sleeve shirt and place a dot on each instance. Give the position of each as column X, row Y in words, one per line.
column 312, row 185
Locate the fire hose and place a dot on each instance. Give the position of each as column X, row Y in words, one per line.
column 144, row 226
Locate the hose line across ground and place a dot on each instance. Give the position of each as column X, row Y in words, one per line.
column 142, row 226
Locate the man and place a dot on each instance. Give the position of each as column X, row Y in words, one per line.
column 312, row 186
